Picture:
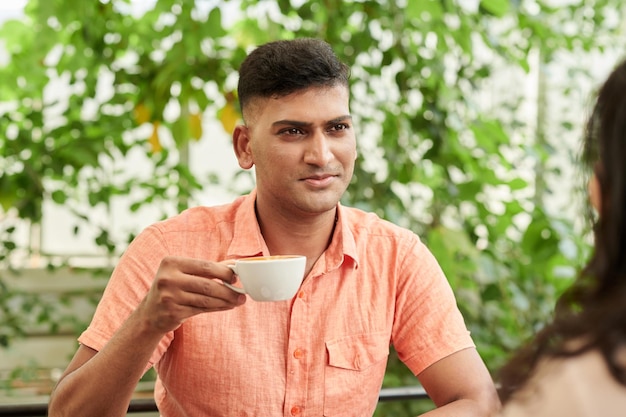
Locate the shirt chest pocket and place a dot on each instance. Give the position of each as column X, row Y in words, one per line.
column 354, row 374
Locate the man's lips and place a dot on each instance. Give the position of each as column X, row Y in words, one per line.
column 320, row 180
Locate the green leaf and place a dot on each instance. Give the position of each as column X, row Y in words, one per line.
column 417, row 9
column 59, row 196
column 180, row 130
column 213, row 26
column 517, row 184
column 489, row 135
column 496, row 7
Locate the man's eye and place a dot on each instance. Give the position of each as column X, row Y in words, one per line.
column 291, row 131
column 339, row 127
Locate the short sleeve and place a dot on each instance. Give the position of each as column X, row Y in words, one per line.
column 428, row 325
column 128, row 285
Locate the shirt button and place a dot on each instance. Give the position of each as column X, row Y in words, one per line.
column 295, row 410
column 301, row 294
column 298, row 353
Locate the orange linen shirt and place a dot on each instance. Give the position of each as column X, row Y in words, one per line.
column 323, row 353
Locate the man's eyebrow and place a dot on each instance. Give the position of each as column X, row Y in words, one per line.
column 340, row 119
column 298, row 123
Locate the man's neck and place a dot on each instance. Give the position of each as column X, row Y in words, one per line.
column 309, row 236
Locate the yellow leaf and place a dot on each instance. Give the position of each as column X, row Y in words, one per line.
column 141, row 113
column 155, row 143
column 229, row 116
column 195, row 125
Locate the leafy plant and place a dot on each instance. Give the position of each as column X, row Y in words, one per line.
column 470, row 178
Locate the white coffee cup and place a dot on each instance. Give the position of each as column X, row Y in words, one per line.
column 269, row 278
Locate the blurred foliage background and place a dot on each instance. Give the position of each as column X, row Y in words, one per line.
column 472, row 175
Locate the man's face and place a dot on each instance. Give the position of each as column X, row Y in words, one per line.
column 303, row 148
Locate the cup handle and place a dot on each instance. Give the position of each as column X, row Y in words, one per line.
column 232, row 287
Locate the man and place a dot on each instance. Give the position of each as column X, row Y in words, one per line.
column 368, row 283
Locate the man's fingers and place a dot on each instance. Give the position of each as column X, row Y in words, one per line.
column 205, row 304
column 199, row 267
column 185, row 287
column 211, row 289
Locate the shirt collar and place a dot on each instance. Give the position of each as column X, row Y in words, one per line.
column 248, row 241
column 247, row 238
column 343, row 244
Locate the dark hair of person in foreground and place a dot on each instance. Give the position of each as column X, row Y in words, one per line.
column 591, row 314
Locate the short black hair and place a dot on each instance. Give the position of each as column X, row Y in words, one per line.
column 282, row 67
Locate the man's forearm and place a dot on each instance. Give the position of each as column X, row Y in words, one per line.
column 102, row 385
column 466, row 408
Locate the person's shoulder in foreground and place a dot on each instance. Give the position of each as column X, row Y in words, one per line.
column 576, row 365
column 581, row 386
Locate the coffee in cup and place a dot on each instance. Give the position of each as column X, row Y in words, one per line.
column 269, row 278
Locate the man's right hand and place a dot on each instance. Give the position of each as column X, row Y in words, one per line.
column 184, row 287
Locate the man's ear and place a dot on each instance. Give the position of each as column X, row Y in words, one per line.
column 241, row 145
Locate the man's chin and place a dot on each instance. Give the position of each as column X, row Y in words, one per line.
column 321, row 203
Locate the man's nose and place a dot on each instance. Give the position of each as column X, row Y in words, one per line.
column 318, row 151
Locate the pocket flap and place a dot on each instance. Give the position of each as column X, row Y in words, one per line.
column 358, row 352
